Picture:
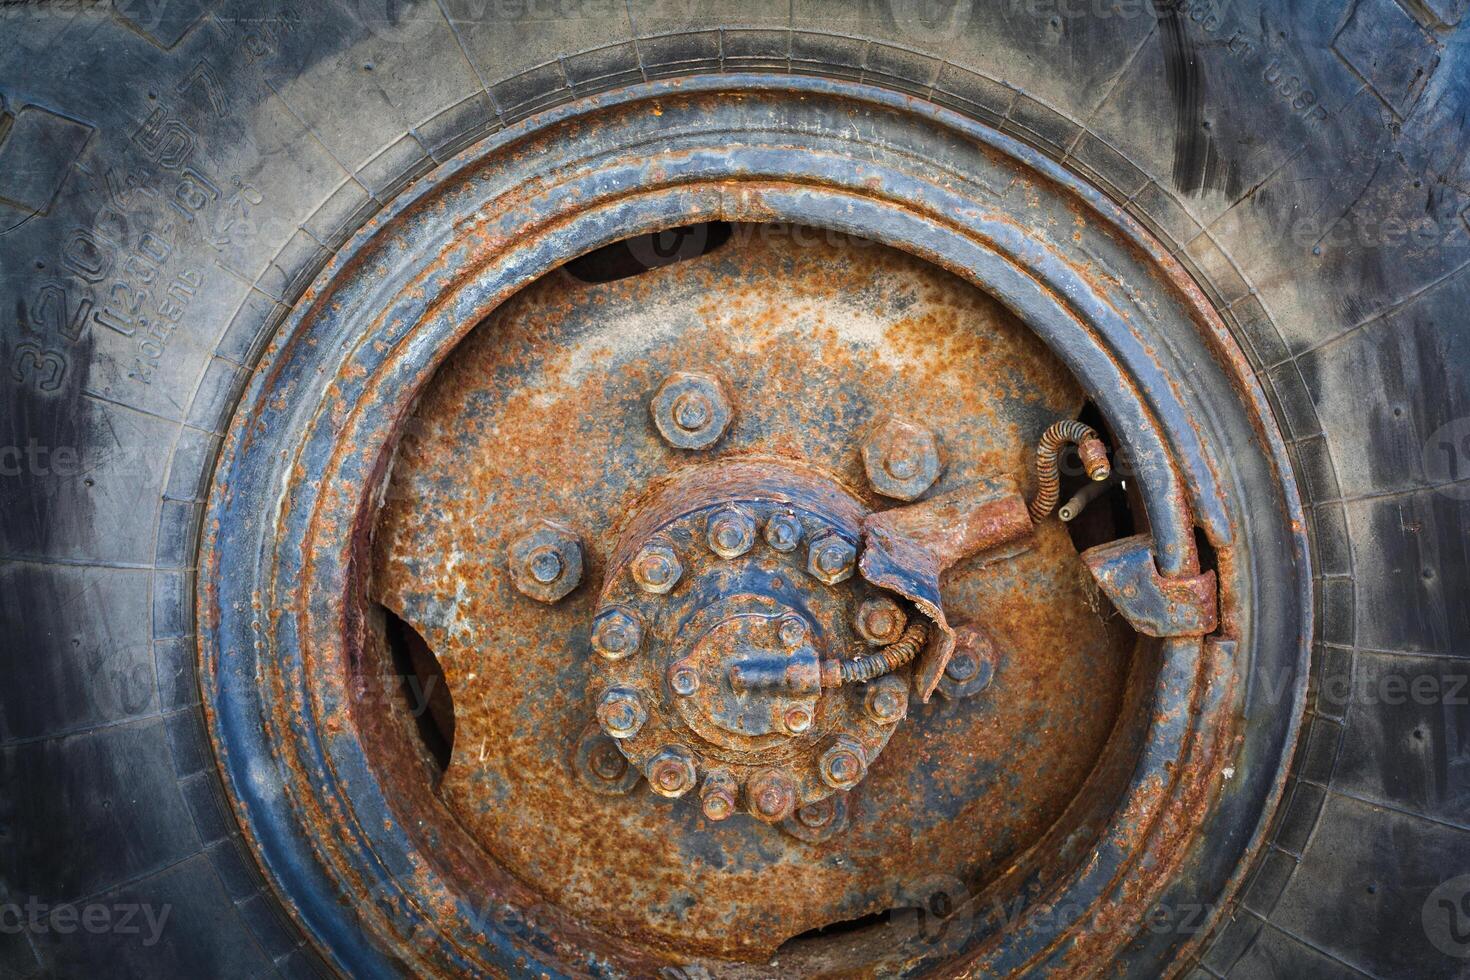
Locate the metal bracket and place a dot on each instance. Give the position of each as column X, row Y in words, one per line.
column 907, row 549
column 1153, row 605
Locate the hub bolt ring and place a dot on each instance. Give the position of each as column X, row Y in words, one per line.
column 830, row 558
column 671, row 771
column 684, row 680
column 886, row 700
column 843, row 764
column 656, row 568
column 621, row 713
column 731, row 532
column 783, row 532
column 797, row 719
column 772, row 796
column 880, row 621
column 617, row 633
column 718, row 796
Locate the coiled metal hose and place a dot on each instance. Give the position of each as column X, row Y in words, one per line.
column 888, row 659
column 1056, row 438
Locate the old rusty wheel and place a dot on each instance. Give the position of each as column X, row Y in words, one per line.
column 646, row 540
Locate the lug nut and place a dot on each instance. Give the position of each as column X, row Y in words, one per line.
column 843, row 764
column 772, row 795
column 671, row 771
column 830, row 558
column 616, row 633
column 819, row 820
column 620, row 712
column 880, row 621
column 971, row 667
column 815, row 816
column 717, row 796
column 797, row 718
column 962, row 666
column 684, row 680
column 606, row 762
column 546, row 562
column 691, row 411
column 901, row 459
column 792, row 632
column 886, row 700
column 656, row 568
column 602, row 767
column 731, row 532
column 783, row 532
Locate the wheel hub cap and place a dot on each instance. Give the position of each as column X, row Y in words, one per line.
column 754, row 592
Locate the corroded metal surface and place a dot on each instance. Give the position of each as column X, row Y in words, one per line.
column 909, row 549
column 545, row 414
column 525, row 425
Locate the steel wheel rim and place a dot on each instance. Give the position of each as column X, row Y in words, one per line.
column 305, row 695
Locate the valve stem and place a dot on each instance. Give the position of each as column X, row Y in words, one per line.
column 1048, row 484
column 860, row 670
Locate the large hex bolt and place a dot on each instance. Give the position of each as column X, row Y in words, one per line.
column 880, row 621
column 718, row 795
column 819, row 820
column 771, row 795
column 656, row 568
column 731, row 532
column 963, row 666
column 886, row 699
column 830, row 558
column 691, row 410
column 603, row 767
column 783, row 532
column 843, row 764
column 971, row 667
column 616, row 633
column 546, row 562
column 671, row 771
column 901, row 459
column 620, row 712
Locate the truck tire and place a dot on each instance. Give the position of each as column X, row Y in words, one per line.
column 175, row 177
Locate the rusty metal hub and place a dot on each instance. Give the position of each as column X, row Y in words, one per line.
column 716, row 673
column 766, row 653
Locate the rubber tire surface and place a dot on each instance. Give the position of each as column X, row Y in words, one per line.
column 1307, row 163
